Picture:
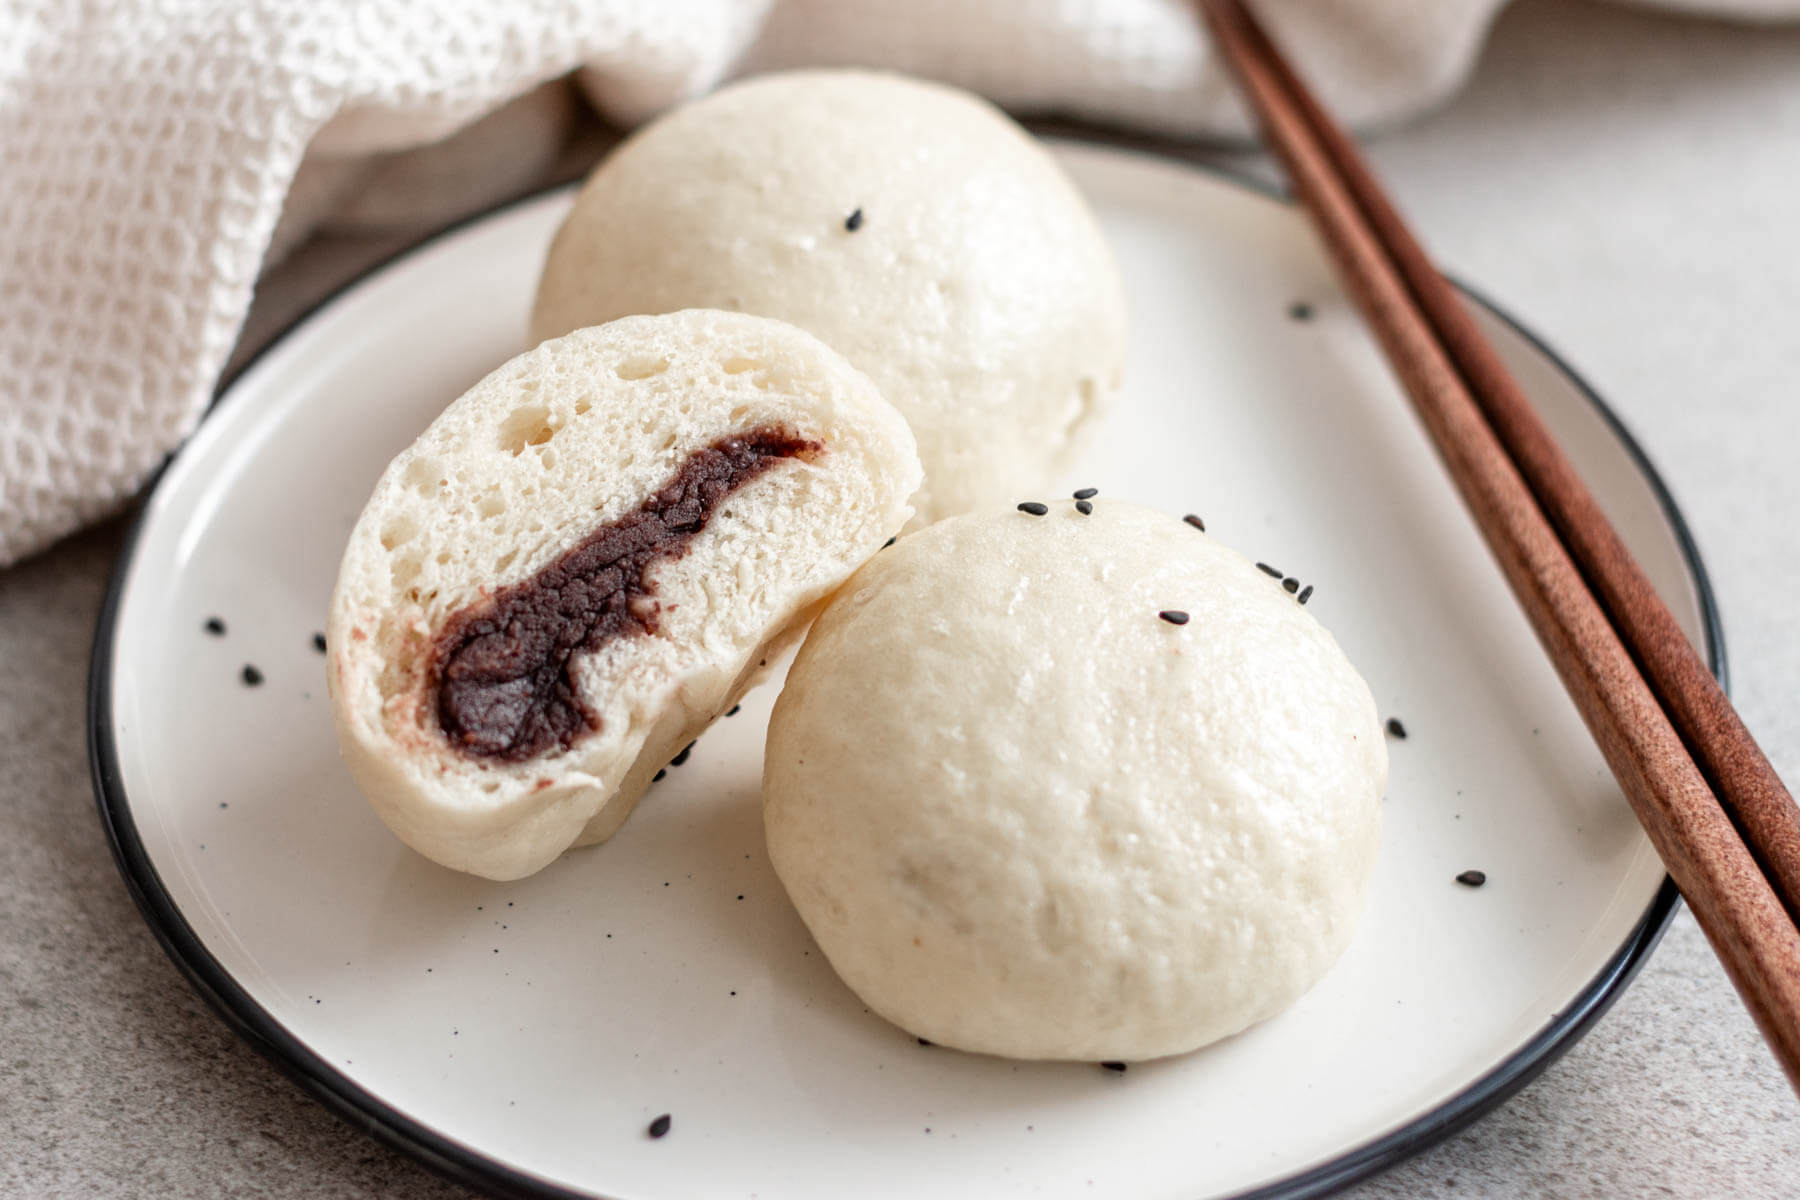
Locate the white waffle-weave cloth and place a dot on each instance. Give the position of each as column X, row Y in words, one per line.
column 148, row 147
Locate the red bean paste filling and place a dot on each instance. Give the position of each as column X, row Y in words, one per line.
column 501, row 666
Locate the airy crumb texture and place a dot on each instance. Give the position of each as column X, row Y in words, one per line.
column 557, row 442
column 1025, row 812
column 914, row 227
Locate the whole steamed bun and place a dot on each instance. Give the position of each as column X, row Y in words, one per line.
column 912, row 227
column 1023, row 814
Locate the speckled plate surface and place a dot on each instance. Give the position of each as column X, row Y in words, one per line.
column 521, row 1037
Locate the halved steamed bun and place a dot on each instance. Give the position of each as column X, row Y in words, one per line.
column 1073, row 786
column 588, row 557
column 913, row 227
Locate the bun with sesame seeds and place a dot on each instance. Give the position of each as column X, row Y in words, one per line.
column 913, row 227
column 1073, row 786
column 587, row 558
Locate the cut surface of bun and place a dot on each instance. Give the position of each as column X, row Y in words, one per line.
column 584, row 560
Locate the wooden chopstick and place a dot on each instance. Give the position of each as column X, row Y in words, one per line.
column 1741, row 776
column 1657, row 714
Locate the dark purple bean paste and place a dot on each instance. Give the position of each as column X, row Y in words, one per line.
column 500, row 669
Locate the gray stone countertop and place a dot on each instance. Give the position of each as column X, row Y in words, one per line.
column 1627, row 183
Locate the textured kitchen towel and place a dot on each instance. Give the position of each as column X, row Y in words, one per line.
column 147, row 148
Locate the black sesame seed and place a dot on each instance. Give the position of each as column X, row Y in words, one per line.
column 1266, row 569
column 660, row 1126
column 854, row 221
column 1395, row 728
column 683, row 756
column 319, row 642
column 251, row 676
column 1113, row 1066
column 1472, row 878
column 890, row 542
column 1084, row 507
column 1173, row 616
column 734, row 710
column 1087, row 493
column 1300, row 310
column 658, row 777
column 1034, row 508
column 924, row 1042
column 1305, row 593
column 1196, row 522
column 215, row 627
column 1290, row 585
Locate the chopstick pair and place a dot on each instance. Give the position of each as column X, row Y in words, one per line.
column 1726, row 828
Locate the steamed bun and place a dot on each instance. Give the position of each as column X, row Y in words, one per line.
column 1024, row 814
column 584, row 560
column 912, row 227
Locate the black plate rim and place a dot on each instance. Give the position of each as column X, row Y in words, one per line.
column 464, row 1165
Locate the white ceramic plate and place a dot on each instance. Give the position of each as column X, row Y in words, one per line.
column 522, row 1036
